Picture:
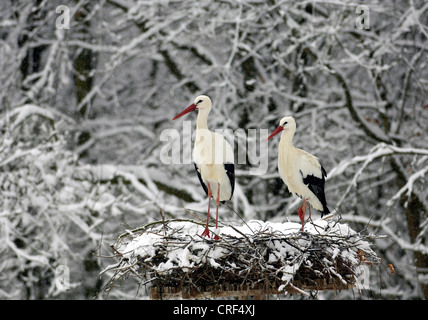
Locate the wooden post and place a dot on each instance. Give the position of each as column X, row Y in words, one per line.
column 243, row 292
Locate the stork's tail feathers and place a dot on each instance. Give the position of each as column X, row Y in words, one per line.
column 325, row 210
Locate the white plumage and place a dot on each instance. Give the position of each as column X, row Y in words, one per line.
column 210, row 154
column 213, row 158
column 300, row 171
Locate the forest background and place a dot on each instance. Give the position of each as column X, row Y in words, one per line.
column 88, row 90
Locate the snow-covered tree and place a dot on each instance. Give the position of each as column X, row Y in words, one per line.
column 85, row 107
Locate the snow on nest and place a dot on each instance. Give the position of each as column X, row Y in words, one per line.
column 172, row 253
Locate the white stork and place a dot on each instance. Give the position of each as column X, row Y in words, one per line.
column 300, row 171
column 213, row 159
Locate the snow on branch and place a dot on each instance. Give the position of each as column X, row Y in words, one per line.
column 378, row 151
column 139, row 176
column 108, row 133
column 25, row 111
column 172, row 258
column 408, row 186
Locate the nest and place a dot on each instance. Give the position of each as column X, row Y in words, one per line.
column 257, row 258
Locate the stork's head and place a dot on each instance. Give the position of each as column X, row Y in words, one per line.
column 200, row 103
column 285, row 124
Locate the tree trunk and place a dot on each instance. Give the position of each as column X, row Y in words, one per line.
column 84, row 64
column 413, row 210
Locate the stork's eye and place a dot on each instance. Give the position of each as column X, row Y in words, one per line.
column 284, row 123
column 200, row 101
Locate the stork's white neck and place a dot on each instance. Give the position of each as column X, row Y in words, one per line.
column 202, row 122
column 286, row 139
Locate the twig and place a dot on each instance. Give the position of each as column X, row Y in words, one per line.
column 114, row 249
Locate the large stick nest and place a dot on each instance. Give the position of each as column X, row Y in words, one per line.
column 274, row 256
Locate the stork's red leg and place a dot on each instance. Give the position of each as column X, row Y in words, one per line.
column 206, row 232
column 301, row 212
column 216, row 237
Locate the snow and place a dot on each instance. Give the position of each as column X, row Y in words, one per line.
column 183, row 249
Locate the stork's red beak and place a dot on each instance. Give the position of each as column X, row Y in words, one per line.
column 190, row 108
column 277, row 130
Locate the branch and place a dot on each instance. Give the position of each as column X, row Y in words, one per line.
column 172, row 66
column 147, row 33
column 376, row 135
column 383, row 224
column 409, row 185
column 138, row 176
column 378, row 151
column 112, row 132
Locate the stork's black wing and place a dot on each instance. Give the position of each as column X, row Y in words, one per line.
column 200, row 179
column 230, row 171
column 316, row 185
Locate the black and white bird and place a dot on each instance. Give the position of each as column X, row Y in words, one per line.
column 300, row 171
column 213, row 159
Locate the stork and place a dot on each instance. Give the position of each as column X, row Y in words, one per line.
column 300, row 171
column 213, row 159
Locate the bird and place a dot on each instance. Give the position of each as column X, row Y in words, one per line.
column 213, row 159
column 301, row 171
